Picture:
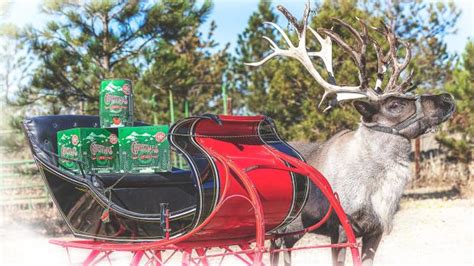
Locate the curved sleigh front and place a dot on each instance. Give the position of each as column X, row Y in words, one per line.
column 223, row 152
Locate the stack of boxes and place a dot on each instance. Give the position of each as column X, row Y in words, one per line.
column 117, row 146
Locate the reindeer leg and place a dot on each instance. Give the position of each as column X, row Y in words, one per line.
column 338, row 254
column 289, row 242
column 275, row 256
column 370, row 244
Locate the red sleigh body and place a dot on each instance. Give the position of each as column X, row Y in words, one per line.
column 244, row 183
column 233, row 146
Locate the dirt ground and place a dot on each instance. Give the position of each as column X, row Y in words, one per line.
column 426, row 232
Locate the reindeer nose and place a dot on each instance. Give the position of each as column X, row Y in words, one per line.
column 447, row 98
column 447, row 103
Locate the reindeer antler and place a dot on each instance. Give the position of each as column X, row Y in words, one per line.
column 304, row 57
column 358, row 55
column 398, row 68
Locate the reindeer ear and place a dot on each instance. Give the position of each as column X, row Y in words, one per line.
column 366, row 109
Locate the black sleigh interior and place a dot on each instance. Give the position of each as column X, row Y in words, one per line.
column 133, row 202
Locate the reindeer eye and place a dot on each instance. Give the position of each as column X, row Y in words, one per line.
column 395, row 105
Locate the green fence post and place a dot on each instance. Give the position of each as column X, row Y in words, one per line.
column 186, row 114
column 186, row 108
column 171, row 106
column 224, row 97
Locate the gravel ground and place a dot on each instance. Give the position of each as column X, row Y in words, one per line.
column 426, row 232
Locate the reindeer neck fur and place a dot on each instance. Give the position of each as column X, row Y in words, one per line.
column 368, row 169
column 393, row 148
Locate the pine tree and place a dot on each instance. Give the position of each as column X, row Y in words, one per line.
column 86, row 42
column 283, row 90
column 13, row 74
column 190, row 68
column 459, row 136
column 426, row 26
column 254, row 81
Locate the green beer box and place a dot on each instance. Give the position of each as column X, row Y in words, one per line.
column 116, row 103
column 97, row 147
column 144, row 149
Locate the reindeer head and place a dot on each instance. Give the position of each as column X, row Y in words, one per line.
column 389, row 109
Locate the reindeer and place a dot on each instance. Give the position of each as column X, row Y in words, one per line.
column 368, row 168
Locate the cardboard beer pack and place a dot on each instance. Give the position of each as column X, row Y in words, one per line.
column 116, row 103
column 97, row 147
column 144, row 149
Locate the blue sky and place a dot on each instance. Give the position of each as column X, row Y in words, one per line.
column 231, row 17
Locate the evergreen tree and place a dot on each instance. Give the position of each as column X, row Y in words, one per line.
column 459, row 136
column 283, row 89
column 425, row 25
column 254, row 81
column 189, row 69
column 13, row 74
column 85, row 42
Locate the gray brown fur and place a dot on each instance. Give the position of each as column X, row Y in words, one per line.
column 368, row 169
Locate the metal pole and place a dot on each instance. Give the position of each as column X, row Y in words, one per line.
column 229, row 106
column 417, row 159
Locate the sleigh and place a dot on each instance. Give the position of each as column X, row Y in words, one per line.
column 242, row 186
